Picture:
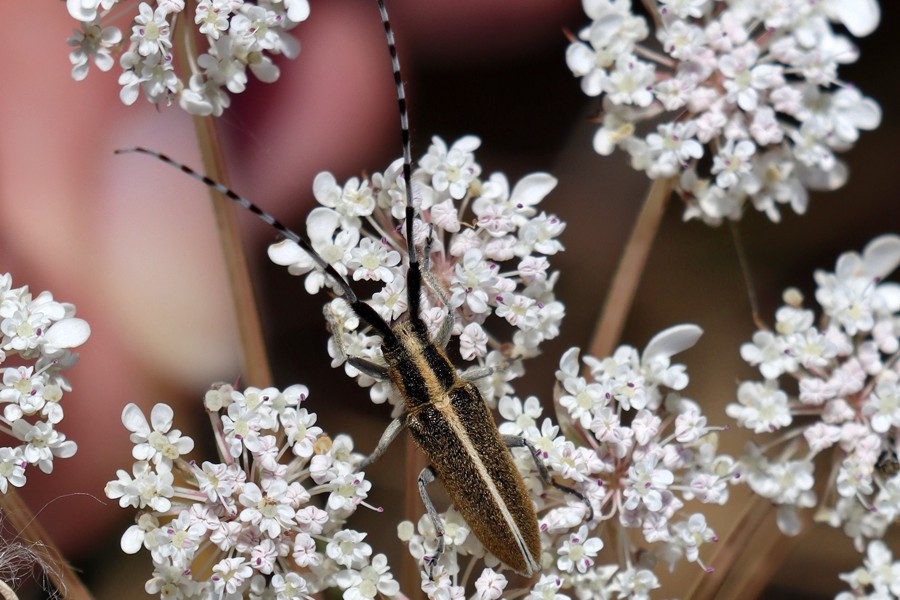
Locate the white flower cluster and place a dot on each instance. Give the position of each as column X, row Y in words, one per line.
column 742, row 98
column 634, row 447
column 238, row 35
column 489, row 249
column 248, row 526
column 36, row 338
column 877, row 579
column 830, row 384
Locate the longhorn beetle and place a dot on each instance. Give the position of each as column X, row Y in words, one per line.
column 444, row 412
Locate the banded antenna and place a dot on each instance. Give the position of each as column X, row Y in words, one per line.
column 362, row 310
column 414, row 276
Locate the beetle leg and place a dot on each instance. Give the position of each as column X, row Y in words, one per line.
column 389, row 435
column 425, row 477
column 516, row 441
column 364, row 366
column 367, row 367
column 476, row 373
column 443, row 335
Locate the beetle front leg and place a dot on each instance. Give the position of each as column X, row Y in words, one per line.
column 516, row 441
column 367, row 367
column 446, row 329
column 389, row 435
column 364, row 366
column 425, row 477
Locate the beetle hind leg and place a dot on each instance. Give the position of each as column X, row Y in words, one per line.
column 516, row 441
column 389, row 435
column 425, row 477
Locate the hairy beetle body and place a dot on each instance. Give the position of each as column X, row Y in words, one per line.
column 453, row 427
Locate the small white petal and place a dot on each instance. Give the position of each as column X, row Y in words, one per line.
column 866, row 113
column 882, row 255
column 860, row 17
column 286, row 252
column 134, row 420
column 532, row 188
column 81, row 10
column 65, row 450
column 68, row 333
column 132, row 540
column 265, row 70
column 579, row 58
column 673, row 340
column 824, row 181
column 298, row 10
column 468, row 143
column 325, row 189
column 321, row 224
column 161, row 416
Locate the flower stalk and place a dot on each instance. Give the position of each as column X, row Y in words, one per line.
column 628, row 273
column 253, row 349
column 254, row 358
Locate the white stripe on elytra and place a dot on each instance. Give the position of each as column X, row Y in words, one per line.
column 463, row 436
column 441, row 401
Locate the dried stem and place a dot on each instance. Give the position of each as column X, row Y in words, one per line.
column 33, row 534
column 631, row 267
column 745, row 561
column 253, row 351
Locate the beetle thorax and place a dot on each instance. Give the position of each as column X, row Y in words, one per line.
column 421, row 371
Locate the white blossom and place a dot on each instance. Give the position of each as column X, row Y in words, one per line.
column 753, row 85
column 233, row 36
column 493, row 275
column 846, row 398
column 37, row 336
column 252, row 514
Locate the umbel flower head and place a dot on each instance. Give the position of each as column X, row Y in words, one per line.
column 230, row 38
column 878, row 577
column 265, row 520
column 739, row 101
column 37, row 335
column 830, row 388
column 633, row 447
column 485, row 246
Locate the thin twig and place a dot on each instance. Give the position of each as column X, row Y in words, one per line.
column 745, row 272
column 631, row 267
column 59, row 571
